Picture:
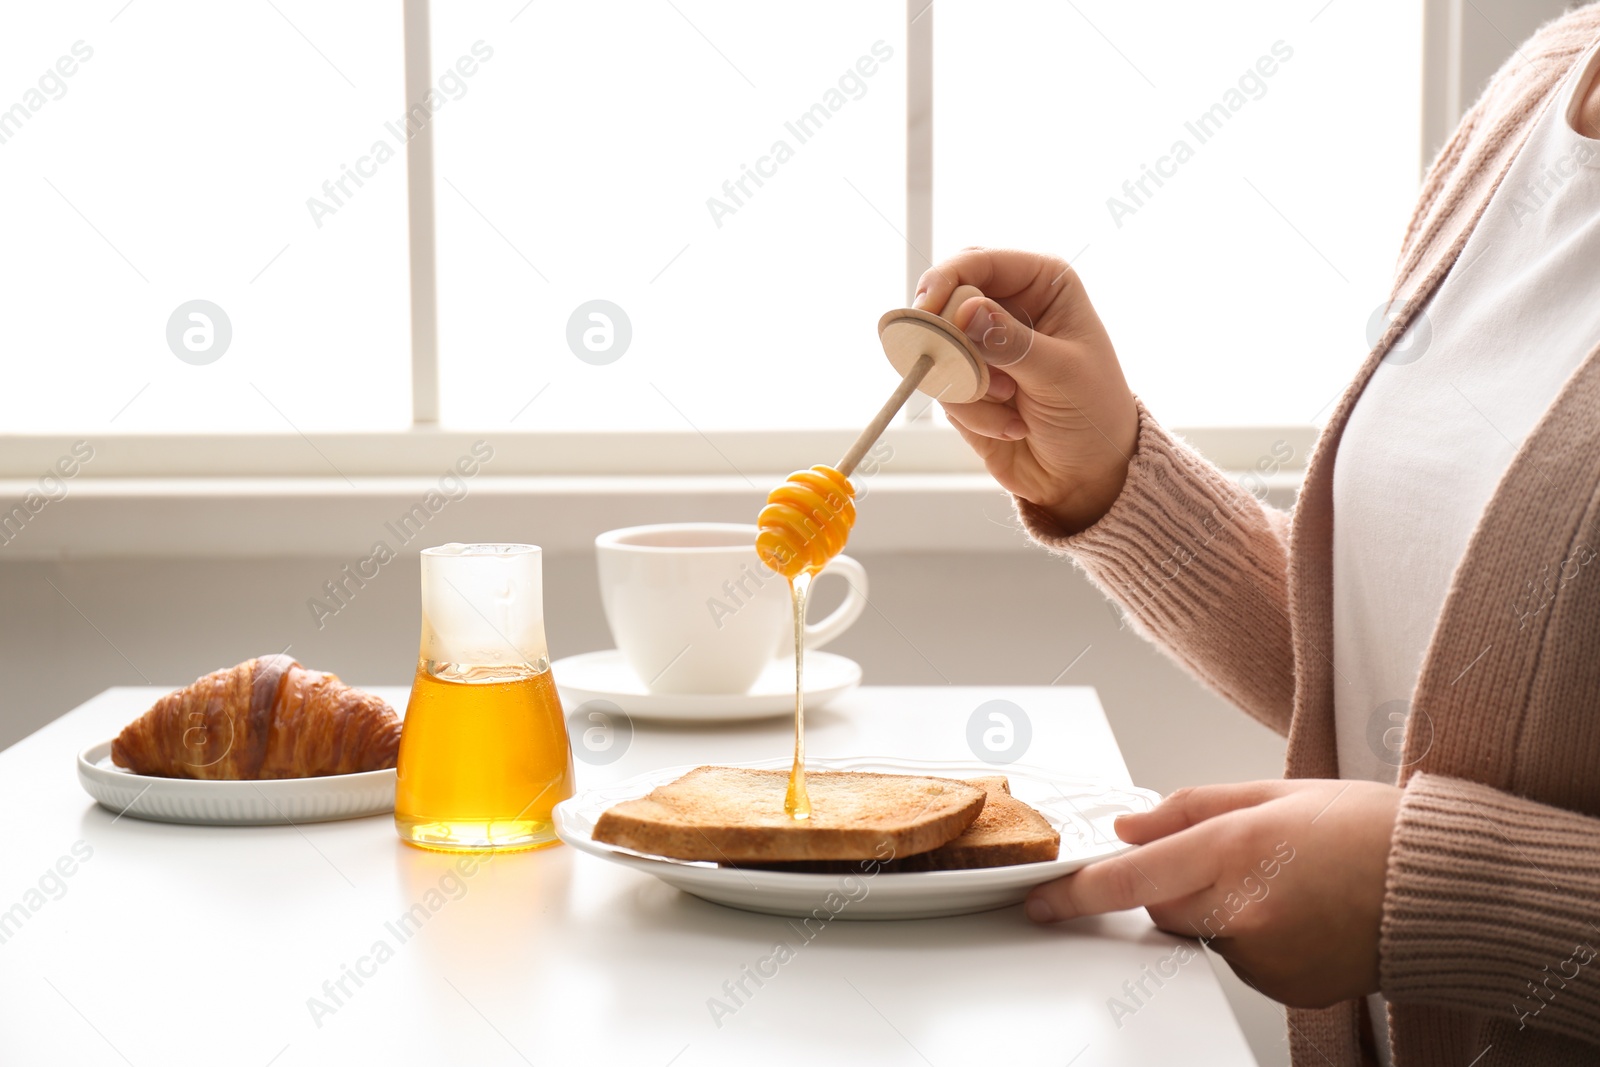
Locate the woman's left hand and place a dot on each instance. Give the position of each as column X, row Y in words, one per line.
column 1283, row 879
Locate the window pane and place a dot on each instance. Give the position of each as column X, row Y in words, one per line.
column 599, row 152
column 164, row 153
column 1238, row 286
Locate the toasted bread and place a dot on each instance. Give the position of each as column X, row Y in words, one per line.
column 735, row 815
column 1006, row 832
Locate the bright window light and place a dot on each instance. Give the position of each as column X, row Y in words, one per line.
column 1238, row 286
column 678, row 216
column 731, row 177
column 173, row 165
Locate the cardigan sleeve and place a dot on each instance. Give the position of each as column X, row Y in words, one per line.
column 1490, row 906
column 1199, row 564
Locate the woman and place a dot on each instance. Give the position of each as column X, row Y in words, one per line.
column 1440, row 898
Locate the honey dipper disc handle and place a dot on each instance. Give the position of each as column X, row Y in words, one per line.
column 959, row 374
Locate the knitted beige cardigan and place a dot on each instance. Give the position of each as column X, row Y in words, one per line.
column 1493, row 890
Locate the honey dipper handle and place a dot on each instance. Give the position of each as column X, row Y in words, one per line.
column 891, row 407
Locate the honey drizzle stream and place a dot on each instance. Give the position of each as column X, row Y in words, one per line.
column 797, row 802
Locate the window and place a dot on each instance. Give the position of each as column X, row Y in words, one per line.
column 729, row 181
column 1230, row 180
column 731, row 177
column 165, row 153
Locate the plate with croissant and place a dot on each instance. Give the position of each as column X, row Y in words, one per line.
column 264, row 742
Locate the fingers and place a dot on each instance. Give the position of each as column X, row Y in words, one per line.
column 992, row 417
column 987, row 418
column 983, row 446
column 1167, row 870
column 1002, row 273
column 1002, row 386
column 1192, row 805
column 1000, row 337
column 1191, row 916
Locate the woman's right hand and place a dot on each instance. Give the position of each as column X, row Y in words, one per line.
column 1058, row 425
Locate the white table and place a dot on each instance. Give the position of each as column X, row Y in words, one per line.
column 177, row 945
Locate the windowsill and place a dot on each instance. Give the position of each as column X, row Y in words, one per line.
column 927, row 447
column 214, row 517
column 146, row 496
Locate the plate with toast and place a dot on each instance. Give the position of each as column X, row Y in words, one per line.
column 887, row 838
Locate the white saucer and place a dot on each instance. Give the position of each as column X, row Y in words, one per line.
column 1081, row 809
column 270, row 802
column 607, row 676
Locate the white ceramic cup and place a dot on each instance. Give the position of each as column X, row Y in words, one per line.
column 694, row 610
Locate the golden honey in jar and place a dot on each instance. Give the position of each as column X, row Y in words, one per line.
column 484, row 753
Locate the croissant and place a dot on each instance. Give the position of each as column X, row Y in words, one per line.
column 265, row 718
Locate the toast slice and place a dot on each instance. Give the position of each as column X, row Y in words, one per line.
column 1006, row 832
column 735, row 815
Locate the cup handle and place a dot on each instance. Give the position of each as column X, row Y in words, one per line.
column 845, row 615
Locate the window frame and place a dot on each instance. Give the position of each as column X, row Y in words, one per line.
column 922, row 445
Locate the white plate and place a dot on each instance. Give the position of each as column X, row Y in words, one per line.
column 607, row 676
column 277, row 801
column 1082, row 809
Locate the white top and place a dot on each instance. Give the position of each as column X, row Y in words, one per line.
column 126, row 926
column 1438, row 424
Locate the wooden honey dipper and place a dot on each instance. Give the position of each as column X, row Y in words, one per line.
column 808, row 518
